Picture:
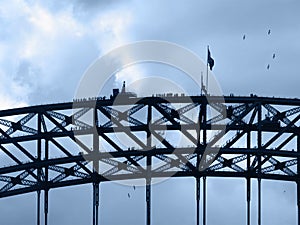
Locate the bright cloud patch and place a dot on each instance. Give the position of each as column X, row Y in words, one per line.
column 45, row 52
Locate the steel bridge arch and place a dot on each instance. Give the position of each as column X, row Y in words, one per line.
column 250, row 137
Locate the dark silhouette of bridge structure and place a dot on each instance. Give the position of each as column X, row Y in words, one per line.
column 44, row 147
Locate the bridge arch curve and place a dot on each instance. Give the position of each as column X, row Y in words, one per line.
column 95, row 140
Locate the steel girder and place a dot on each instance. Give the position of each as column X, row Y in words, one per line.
column 50, row 146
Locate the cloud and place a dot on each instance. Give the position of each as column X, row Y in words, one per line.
column 46, row 46
column 42, row 46
column 221, row 25
column 58, row 41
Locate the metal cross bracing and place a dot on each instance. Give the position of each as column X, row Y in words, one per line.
column 96, row 140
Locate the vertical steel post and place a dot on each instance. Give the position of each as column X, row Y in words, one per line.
column 198, row 166
column 95, row 203
column 204, row 125
column 148, row 190
column 259, row 145
column 95, row 142
column 38, row 222
column 298, row 178
column 46, row 180
column 39, row 154
column 198, row 200
column 204, row 178
column 148, row 200
column 95, row 169
column 259, row 201
column 204, row 200
column 149, row 163
column 46, row 206
column 248, row 201
column 248, row 180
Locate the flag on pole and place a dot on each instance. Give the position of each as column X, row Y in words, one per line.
column 210, row 60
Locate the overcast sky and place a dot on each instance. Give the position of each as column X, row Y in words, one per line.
column 46, row 46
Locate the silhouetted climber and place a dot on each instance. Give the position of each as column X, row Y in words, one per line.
column 273, row 55
column 268, row 66
column 244, row 37
column 123, row 87
column 133, row 187
column 269, row 32
column 128, row 195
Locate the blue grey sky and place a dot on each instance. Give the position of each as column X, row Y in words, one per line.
column 46, row 46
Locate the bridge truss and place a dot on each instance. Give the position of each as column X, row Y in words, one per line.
column 98, row 140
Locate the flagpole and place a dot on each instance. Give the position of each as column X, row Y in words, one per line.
column 207, row 69
column 201, row 82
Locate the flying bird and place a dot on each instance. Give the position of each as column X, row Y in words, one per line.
column 273, row 55
column 269, row 32
column 268, row 66
column 244, row 37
